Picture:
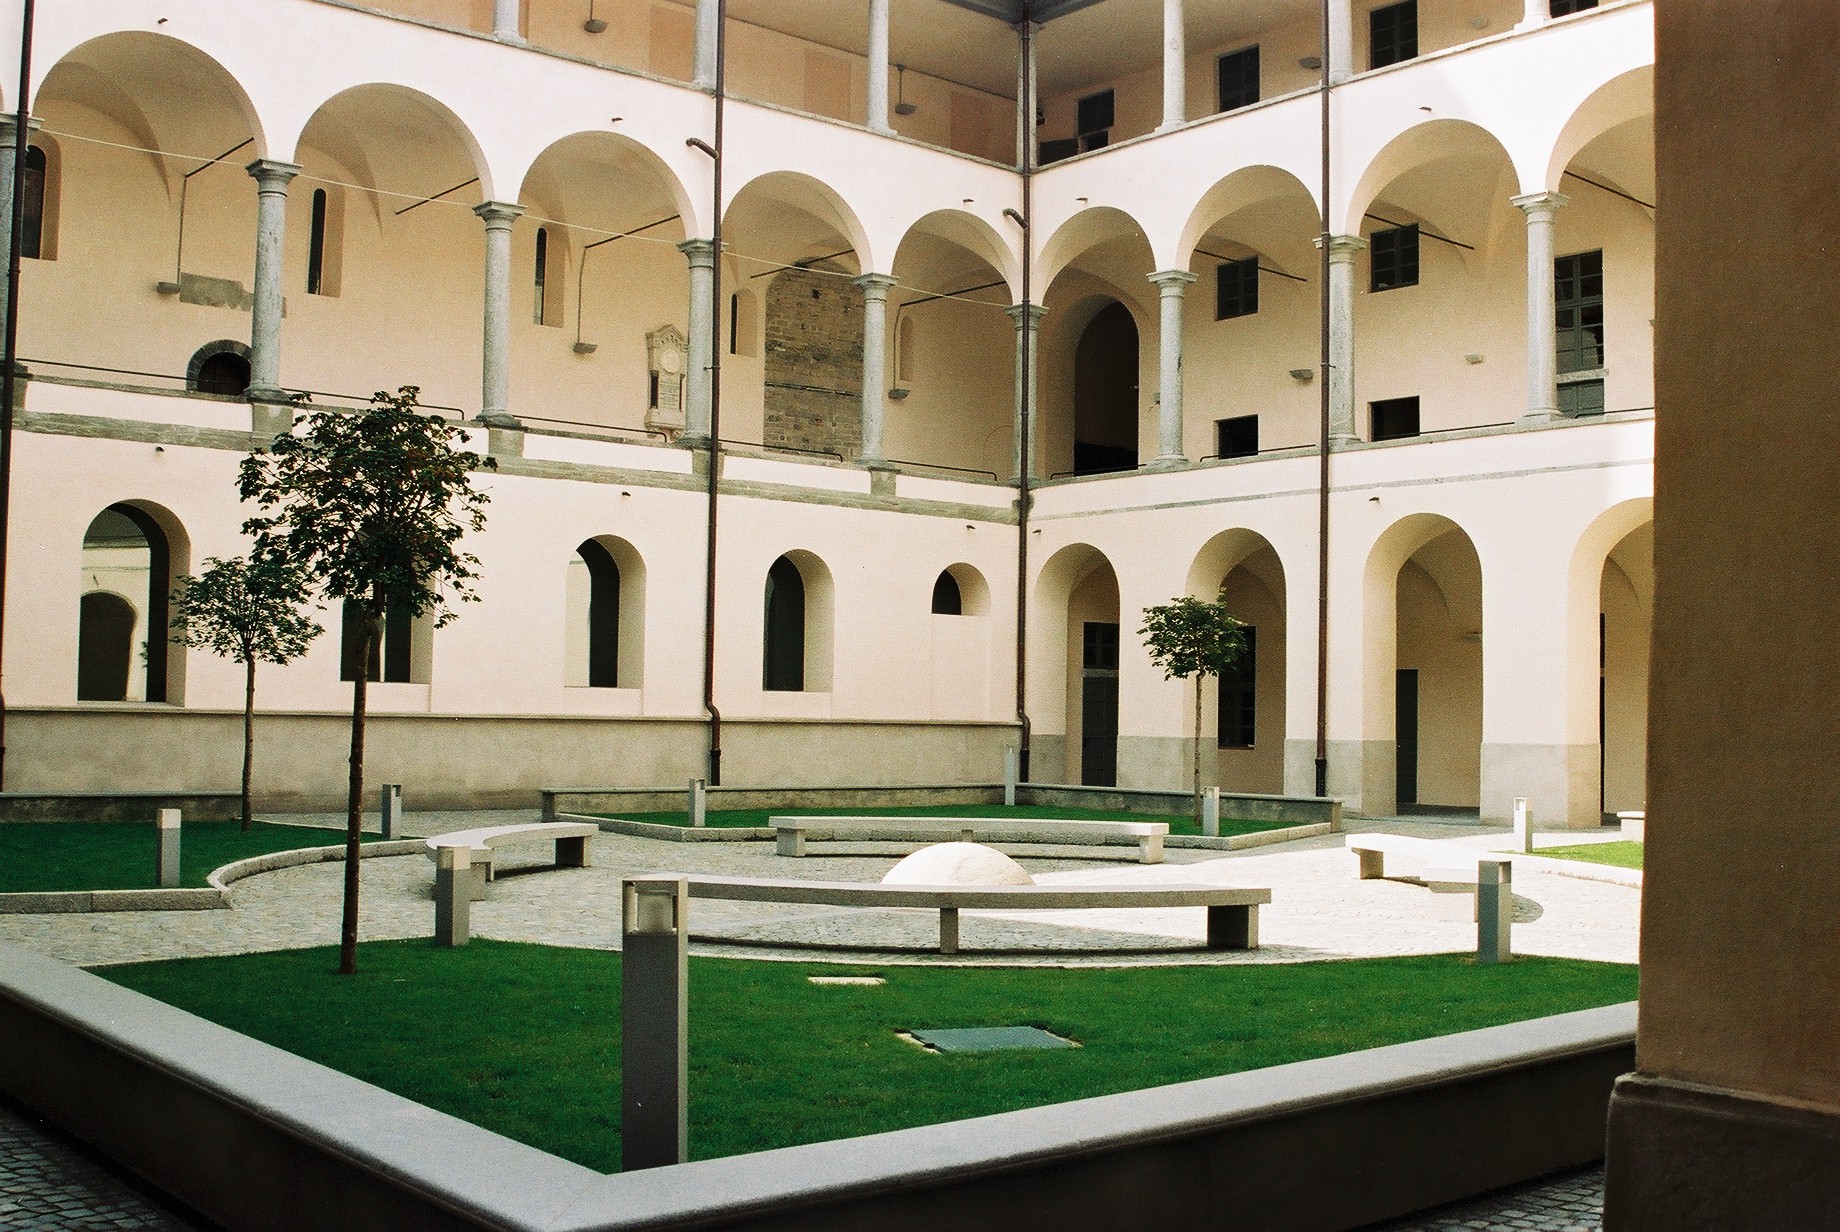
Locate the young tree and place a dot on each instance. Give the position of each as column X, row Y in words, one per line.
column 372, row 506
column 1191, row 637
column 247, row 611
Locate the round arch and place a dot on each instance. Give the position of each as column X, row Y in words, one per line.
column 796, row 212
column 604, row 636
column 1085, row 231
column 798, row 624
column 435, row 140
column 1239, row 190
column 1421, row 145
column 138, row 549
column 1630, row 96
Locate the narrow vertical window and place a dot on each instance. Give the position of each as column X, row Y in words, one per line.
column 734, row 323
column 1578, row 303
column 32, row 206
column 542, row 275
column 603, row 615
column 1239, row 78
column 1239, row 697
column 1393, row 258
column 316, row 244
column 783, row 666
column 1392, row 34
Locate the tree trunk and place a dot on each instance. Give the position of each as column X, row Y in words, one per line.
column 354, row 801
column 249, row 734
column 1197, row 757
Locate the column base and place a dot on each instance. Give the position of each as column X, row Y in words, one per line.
column 505, row 442
column 510, row 39
column 500, row 419
column 1689, row 1156
column 1541, row 416
column 1167, row 462
column 882, row 475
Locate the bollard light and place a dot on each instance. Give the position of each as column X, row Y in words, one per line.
column 654, row 1021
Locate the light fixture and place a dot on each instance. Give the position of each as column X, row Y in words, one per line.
column 1310, row 62
column 1480, row 22
column 1303, row 374
column 901, row 106
column 898, row 393
column 593, row 25
column 586, row 348
column 1474, row 358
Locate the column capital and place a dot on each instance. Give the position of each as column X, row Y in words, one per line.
column 1172, row 281
column 1540, row 206
column 9, row 120
column 700, row 252
column 499, row 215
column 1342, row 248
column 272, row 175
column 1033, row 313
column 875, row 286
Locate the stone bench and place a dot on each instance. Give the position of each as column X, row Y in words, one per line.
column 1232, row 911
column 1437, row 861
column 570, row 837
column 1148, row 835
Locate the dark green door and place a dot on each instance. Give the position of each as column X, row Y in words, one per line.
column 1099, row 705
column 1405, row 727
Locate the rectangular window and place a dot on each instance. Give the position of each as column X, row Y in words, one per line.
column 1565, row 8
column 1393, row 258
column 1238, row 709
column 1239, row 78
column 1094, row 113
column 1578, row 398
column 1237, row 437
column 1578, row 311
column 1099, row 652
column 1236, row 289
column 316, row 243
column 1392, row 34
column 1393, row 419
column 1054, row 151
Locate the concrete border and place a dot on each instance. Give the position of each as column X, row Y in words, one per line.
column 258, row 1139
column 747, row 834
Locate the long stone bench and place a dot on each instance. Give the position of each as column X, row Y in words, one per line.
column 1232, row 911
column 1435, row 861
column 570, row 837
column 1148, row 835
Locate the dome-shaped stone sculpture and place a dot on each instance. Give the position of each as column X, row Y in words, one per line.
column 958, row 864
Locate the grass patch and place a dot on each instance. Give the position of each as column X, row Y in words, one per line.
column 1622, row 855
column 1184, row 824
column 40, row 856
column 525, row 1039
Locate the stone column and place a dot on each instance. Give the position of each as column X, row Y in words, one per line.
column 1341, row 41
column 495, row 396
column 265, row 316
column 878, row 67
column 708, row 29
column 702, row 348
column 1172, row 283
column 9, row 134
column 505, row 23
column 1342, row 250
column 1536, row 13
column 1028, row 325
column 1175, row 55
column 875, row 361
column 1542, row 353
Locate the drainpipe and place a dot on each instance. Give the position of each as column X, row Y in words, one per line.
column 714, row 455
column 9, row 347
column 1322, row 447
column 1025, row 105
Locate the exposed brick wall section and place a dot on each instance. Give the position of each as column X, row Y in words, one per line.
column 814, row 363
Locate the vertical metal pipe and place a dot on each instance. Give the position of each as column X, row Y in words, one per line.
column 1322, row 446
column 9, row 346
column 1025, row 153
column 714, row 448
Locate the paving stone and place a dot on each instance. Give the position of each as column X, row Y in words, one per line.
column 48, row 1184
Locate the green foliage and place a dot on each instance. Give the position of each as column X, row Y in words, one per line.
column 1618, row 855
column 1192, row 637
column 244, row 610
column 372, row 505
column 543, row 1067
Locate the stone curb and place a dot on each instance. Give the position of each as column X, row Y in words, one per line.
column 222, row 878
column 743, row 834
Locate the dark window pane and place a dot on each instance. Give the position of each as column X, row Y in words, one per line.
column 947, row 601
column 1054, row 151
column 316, row 243
column 33, row 204
column 1237, row 437
column 1236, row 289
column 1392, row 34
column 1578, row 311
column 1238, row 709
column 1393, row 258
column 1394, row 418
column 1095, row 112
column 1239, row 78
column 1581, row 398
column 224, row 373
column 1565, row 8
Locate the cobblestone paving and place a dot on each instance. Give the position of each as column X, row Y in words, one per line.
column 1572, row 1202
column 48, row 1185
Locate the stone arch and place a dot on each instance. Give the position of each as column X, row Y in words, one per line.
column 807, row 209
column 972, row 591
column 798, row 624
column 206, row 370
column 1630, row 96
column 1236, row 191
column 1609, row 606
column 965, row 230
column 135, row 551
column 1077, row 586
column 604, row 637
column 1091, row 228
column 1247, row 709
column 1423, row 144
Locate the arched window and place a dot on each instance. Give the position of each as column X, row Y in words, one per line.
column 904, row 352
column 743, row 323
column 32, row 204
column 603, row 615
column 946, row 598
column 220, row 367
column 784, row 653
column 398, row 653
column 316, row 245
column 540, row 308
column 122, row 615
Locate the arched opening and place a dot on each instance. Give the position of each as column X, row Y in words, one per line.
column 603, row 623
column 604, row 639
column 1092, row 637
column 1626, row 609
column 33, row 223
column 1105, row 393
column 122, row 649
column 1250, row 700
column 783, row 655
column 220, row 368
column 947, row 601
column 1437, row 701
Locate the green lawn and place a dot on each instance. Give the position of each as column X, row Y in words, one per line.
column 758, row 817
column 525, row 1040
column 119, row 855
column 1622, row 855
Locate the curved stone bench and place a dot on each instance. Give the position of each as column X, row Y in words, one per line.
column 570, row 837
column 1232, row 911
column 793, row 830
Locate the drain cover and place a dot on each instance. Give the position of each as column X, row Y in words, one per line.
column 989, row 1039
column 866, row 981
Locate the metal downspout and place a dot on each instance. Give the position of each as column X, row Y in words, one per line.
column 1322, row 448
column 1025, row 105
column 9, row 350
column 714, row 446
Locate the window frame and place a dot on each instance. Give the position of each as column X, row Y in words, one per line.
column 1401, row 42
column 1386, row 416
column 1239, row 684
column 1236, row 288
column 1394, row 250
column 1241, row 58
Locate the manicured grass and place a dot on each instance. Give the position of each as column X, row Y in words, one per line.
column 119, row 855
column 1622, row 855
column 758, row 817
column 525, row 1040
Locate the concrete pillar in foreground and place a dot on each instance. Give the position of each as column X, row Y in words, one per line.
column 166, row 862
column 495, row 391
column 453, row 896
column 654, row 1022
column 272, row 180
column 1542, row 338
column 1342, row 250
column 877, row 118
column 1028, row 328
column 1523, row 825
column 1175, row 68
column 708, row 24
column 875, row 362
column 505, row 21
column 391, row 811
column 1494, row 910
column 1012, row 756
column 1171, row 283
column 1210, row 811
column 699, row 803
column 700, row 359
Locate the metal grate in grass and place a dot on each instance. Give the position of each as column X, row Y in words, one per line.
column 988, row 1039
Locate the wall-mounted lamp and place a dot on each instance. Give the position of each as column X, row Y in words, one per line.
column 593, row 25
column 1014, row 217
column 902, row 106
column 1475, row 358
column 1479, row 22
column 1310, row 62
column 1303, row 374
column 166, row 288
column 898, row 393
column 586, row 348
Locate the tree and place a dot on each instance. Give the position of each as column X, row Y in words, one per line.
column 247, row 611
column 372, row 507
column 1190, row 637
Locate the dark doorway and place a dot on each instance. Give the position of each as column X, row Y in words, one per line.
column 1405, row 727
column 105, row 647
column 1099, row 705
column 1105, row 394
column 603, row 615
column 224, row 373
column 783, row 658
